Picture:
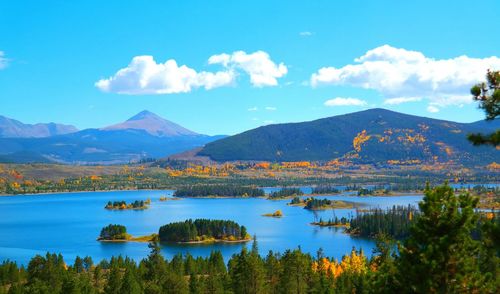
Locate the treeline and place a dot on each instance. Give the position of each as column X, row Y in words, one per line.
column 152, row 179
column 218, row 190
column 202, row 229
column 343, row 221
column 113, row 232
column 137, row 204
column 394, row 222
column 286, row 192
column 315, row 203
column 325, row 189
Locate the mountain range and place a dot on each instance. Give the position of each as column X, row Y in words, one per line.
column 376, row 136
column 11, row 128
column 145, row 135
column 371, row 136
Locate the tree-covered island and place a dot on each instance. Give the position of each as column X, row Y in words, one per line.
column 286, row 193
column 312, row 203
column 218, row 191
column 122, row 205
column 118, row 233
column 203, row 231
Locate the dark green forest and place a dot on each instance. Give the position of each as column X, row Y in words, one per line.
column 202, row 229
column 218, row 190
column 394, row 222
column 285, row 192
column 113, row 232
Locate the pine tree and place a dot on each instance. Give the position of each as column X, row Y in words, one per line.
column 488, row 95
column 130, row 284
column 440, row 255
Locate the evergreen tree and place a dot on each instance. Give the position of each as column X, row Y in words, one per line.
column 440, row 254
column 488, row 95
column 130, row 285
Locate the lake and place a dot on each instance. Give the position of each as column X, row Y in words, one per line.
column 69, row 223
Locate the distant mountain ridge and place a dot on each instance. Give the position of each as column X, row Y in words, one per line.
column 145, row 135
column 11, row 128
column 370, row 136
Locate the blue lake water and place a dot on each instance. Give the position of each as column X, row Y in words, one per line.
column 69, row 223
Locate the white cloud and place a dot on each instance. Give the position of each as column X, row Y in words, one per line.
column 306, row 34
column 144, row 76
column 253, row 108
column 268, row 122
column 400, row 100
column 270, row 108
column 340, row 101
column 400, row 73
column 432, row 108
column 3, row 60
column 262, row 70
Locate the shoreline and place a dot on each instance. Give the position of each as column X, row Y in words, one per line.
column 84, row 191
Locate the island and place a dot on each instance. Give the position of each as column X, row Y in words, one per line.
column 285, row 193
column 335, row 222
column 322, row 204
column 277, row 213
column 122, row 205
column 118, row 233
column 203, row 231
column 324, row 189
column 165, row 198
column 214, row 191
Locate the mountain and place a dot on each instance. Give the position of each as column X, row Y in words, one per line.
column 11, row 128
column 145, row 135
column 370, row 136
column 152, row 124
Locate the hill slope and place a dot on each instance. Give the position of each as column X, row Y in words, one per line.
column 371, row 136
column 11, row 128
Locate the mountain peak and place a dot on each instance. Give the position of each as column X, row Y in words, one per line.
column 145, row 114
column 152, row 124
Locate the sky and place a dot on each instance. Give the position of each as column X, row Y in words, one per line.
column 223, row 67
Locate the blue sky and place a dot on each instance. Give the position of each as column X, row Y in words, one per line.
column 55, row 52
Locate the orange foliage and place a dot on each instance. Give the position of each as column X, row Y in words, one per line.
column 493, row 166
column 263, row 165
column 359, row 140
column 296, row 164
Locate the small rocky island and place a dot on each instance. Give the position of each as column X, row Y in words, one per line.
column 277, row 213
column 312, row 203
column 122, row 205
column 203, row 231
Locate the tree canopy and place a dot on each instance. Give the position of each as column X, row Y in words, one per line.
column 488, row 95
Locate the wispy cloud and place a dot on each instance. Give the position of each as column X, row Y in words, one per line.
column 3, row 60
column 341, row 101
column 400, row 100
column 306, row 34
column 271, row 108
column 432, row 109
column 253, row 108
